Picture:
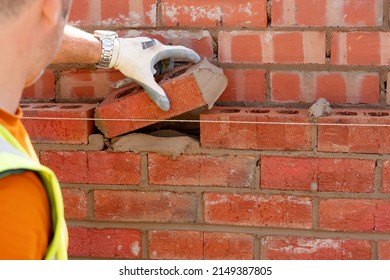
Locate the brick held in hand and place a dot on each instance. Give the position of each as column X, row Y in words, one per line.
column 56, row 123
column 130, row 108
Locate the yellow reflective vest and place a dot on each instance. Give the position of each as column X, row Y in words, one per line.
column 14, row 160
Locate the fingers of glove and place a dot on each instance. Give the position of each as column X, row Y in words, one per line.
column 155, row 93
column 177, row 52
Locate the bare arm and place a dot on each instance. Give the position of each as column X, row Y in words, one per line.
column 78, row 47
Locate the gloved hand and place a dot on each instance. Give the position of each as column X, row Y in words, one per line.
column 136, row 57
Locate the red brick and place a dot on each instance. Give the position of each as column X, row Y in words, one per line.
column 228, row 246
column 360, row 48
column 200, row 245
column 214, row 13
column 270, row 47
column 119, row 13
column 340, row 87
column 144, row 206
column 43, row 90
column 355, row 131
column 384, row 249
column 105, row 243
column 255, row 128
column 386, row 177
column 245, row 85
column 176, row 245
column 307, row 248
column 185, row 93
column 75, row 203
column 336, row 175
column 199, row 170
column 258, row 210
column 338, row 13
column 87, row 85
column 58, row 123
column 200, row 41
column 94, row 167
column 360, row 215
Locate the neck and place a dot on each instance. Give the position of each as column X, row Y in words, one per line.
column 12, row 70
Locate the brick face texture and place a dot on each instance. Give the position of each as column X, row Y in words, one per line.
column 267, row 181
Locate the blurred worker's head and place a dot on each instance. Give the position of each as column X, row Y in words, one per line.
column 37, row 28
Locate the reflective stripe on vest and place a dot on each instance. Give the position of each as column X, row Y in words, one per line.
column 14, row 160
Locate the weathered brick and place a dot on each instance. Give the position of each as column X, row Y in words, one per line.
column 87, row 85
column 340, row 87
column 176, row 245
column 384, row 249
column 258, row 210
column 360, row 48
column 186, row 91
column 94, row 167
column 386, row 177
column 144, row 206
column 270, row 47
column 340, row 13
column 200, row 245
column 105, row 243
column 317, row 174
column 361, row 215
column 119, row 13
column 43, row 90
column 200, row 41
column 355, row 131
column 245, row 85
column 75, row 203
column 199, row 170
column 261, row 128
column 214, row 13
column 58, row 123
column 307, row 248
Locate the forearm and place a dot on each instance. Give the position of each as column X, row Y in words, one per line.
column 78, row 47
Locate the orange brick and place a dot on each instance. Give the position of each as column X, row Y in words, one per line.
column 87, row 85
column 214, row 13
column 199, row 41
column 322, row 174
column 185, row 92
column 360, row 215
column 119, row 13
column 306, row 248
column 43, row 90
column 105, row 243
column 340, row 87
column 58, row 123
column 360, row 48
column 144, row 206
column 94, row 167
column 384, row 250
column 386, row 176
column 258, row 210
column 255, row 128
column 247, row 85
column 340, row 13
column 199, row 170
column 75, row 203
column 355, row 131
column 270, row 47
column 200, row 245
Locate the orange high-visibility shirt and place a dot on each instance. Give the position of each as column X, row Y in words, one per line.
column 25, row 222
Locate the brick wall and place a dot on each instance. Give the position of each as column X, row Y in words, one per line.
column 267, row 182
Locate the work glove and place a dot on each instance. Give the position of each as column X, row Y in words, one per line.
column 136, row 58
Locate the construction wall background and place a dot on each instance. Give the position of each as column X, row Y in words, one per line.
column 267, row 181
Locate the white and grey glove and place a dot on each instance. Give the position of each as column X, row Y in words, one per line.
column 136, row 58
